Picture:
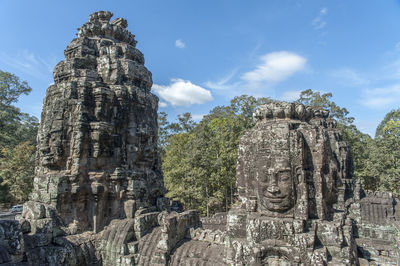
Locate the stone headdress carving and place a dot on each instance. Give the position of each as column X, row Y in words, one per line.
column 288, row 166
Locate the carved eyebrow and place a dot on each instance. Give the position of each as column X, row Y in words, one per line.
column 270, row 171
column 284, row 170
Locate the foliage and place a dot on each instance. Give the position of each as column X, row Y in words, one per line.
column 17, row 131
column 393, row 115
column 199, row 163
column 359, row 142
column 185, row 124
column 14, row 125
column 360, row 149
column 16, row 169
column 385, row 163
column 11, row 87
column 376, row 161
column 162, row 131
column 311, row 98
column 179, row 177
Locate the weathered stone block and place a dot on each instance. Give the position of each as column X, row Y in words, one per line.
column 33, row 210
column 144, row 222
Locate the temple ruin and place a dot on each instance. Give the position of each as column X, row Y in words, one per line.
column 99, row 199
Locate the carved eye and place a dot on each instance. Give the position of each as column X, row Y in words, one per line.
column 284, row 176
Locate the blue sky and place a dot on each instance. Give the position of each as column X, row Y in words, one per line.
column 203, row 53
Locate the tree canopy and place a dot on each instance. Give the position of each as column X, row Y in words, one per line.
column 199, row 163
column 384, row 166
column 18, row 132
column 199, row 159
column 393, row 115
column 316, row 99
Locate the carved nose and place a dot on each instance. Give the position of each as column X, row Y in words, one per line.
column 273, row 189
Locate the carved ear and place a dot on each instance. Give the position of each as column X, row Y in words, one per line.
column 298, row 175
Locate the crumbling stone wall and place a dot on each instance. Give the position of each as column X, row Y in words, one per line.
column 377, row 226
column 11, row 242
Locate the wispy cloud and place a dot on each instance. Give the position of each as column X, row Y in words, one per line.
column 349, row 77
column 290, row 95
column 182, row 93
column 197, row 117
column 180, row 44
column 253, row 52
column 162, row 104
column 391, row 70
column 224, row 83
column 29, row 63
column 319, row 22
column 381, row 98
column 274, row 67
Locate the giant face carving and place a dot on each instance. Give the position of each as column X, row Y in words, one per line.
column 275, row 186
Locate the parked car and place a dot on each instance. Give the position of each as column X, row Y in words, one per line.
column 16, row 208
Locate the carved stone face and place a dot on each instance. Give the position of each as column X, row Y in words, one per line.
column 275, row 190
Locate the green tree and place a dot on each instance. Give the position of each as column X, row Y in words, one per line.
column 244, row 106
column 316, row 99
column 393, row 115
column 166, row 129
column 390, row 149
column 179, row 177
column 15, row 128
column 359, row 142
column 361, row 148
column 185, row 124
column 17, row 169
column 162, row 131
column 200, row 161
column 384, row 163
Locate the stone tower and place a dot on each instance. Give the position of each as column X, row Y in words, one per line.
column 97, row 156
column 294, row 175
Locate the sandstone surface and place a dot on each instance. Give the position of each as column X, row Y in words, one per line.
column 99, row 199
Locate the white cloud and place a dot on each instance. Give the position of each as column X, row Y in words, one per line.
column 163, row 104
column 349, row 77
column 275, row 67
column 197, row 117
column 381, row 98
column 319, row 22
column 183, row 93
column 290, row 96
column 29, row 63
column 180, row 44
